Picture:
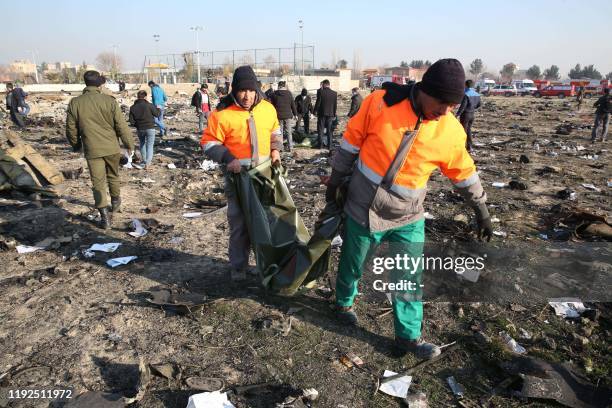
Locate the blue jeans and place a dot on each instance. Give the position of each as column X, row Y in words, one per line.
column 147, row 139
column 159, row 121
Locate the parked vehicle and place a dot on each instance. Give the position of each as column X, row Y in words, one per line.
column 560, row 91
column 484, row 85
column 377, row 80
column 525, row 86
column 506, row 90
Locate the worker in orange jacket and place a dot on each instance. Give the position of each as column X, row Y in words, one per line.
column 242, row 133
column 390, row 147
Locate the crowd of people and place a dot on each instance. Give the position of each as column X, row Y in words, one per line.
column 395, row 138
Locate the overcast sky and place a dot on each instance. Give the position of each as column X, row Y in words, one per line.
column 541, row 32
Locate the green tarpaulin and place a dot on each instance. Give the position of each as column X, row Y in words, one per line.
column 287, row 256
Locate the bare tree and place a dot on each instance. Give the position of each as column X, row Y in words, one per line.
column 109, row 62
column 342, row 64
column 508, row 71
column 476, row 67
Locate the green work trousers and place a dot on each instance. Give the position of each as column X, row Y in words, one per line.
column 356, row 248
column 104, row 171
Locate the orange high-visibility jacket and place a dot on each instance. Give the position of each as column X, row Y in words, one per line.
column 229, row 134
column 371, row 141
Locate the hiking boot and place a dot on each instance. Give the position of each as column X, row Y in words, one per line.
column 421, row 349
column 105, row 218
column 238, row 274
column 116, row 204
column 347, row 315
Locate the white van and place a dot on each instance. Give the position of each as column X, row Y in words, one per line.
column 484, row 85
column 525, row 86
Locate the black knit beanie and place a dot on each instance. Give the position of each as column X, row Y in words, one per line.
column 244, row 78
column 445, row 80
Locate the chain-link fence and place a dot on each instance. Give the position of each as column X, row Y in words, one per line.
column 267, row 62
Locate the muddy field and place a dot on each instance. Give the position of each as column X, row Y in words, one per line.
column 69, row 320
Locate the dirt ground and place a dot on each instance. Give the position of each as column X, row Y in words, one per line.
column 72, row 321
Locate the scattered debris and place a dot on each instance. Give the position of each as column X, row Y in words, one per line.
column 455, row 387
column 570, row 309
column 591, row 187
column 124, row 260
column 192, row 214
column 205, row 384
column 208, row 165
column 181, row 303
column 214, row 399
column 417, row 400
column 397, row 387
column 511, row 344
column 109, row 247
column 139, row 229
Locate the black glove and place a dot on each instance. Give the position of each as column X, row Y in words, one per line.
column 483, row 220
column 485, row 229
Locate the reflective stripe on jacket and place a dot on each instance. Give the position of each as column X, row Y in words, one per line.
column 371, row 141
column 228, row 134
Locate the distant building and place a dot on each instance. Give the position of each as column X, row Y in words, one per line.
column 23, row 67
column 61, row 65
column 368, row 72
column 415, row 74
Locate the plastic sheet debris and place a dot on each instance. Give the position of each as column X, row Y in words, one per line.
column 568, row 308
column 455, row 387
column 499, row 184
column 192, row 214
column 108, row 247
column 208, row 165
column 139, row 229
column 124, row 260
column 511, row 344
column 591, row 187
column 214, row 399
column 398, row 387
column 128, row 158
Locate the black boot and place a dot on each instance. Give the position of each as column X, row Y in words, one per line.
column 116, row 204
column 105, row 218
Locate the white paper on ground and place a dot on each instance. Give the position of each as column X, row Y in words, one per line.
column 171, row 166
column 109, row 247
column 124, row 260
column 25, row 249
column 209, row 400
column 429, row 216
column 591, row 187
column 396, row 388
column 571, row 308
column 192, row 214
column 498, row 184
column 208, row 165
column 139, row 229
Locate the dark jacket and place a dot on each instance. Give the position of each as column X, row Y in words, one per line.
column 94, row 121
column 355, row 104
column 143, row 114
column 470, row 102
column 604, row 104
column 284, row 104
column 326, row 103
column 268, row 94
column 196, row 100
column 303, row 105
column 19, row 96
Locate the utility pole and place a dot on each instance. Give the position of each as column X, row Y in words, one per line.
column 115, row 60
column 35, row 66
column 156, row 38
column 301, row 25
column 196, row 29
